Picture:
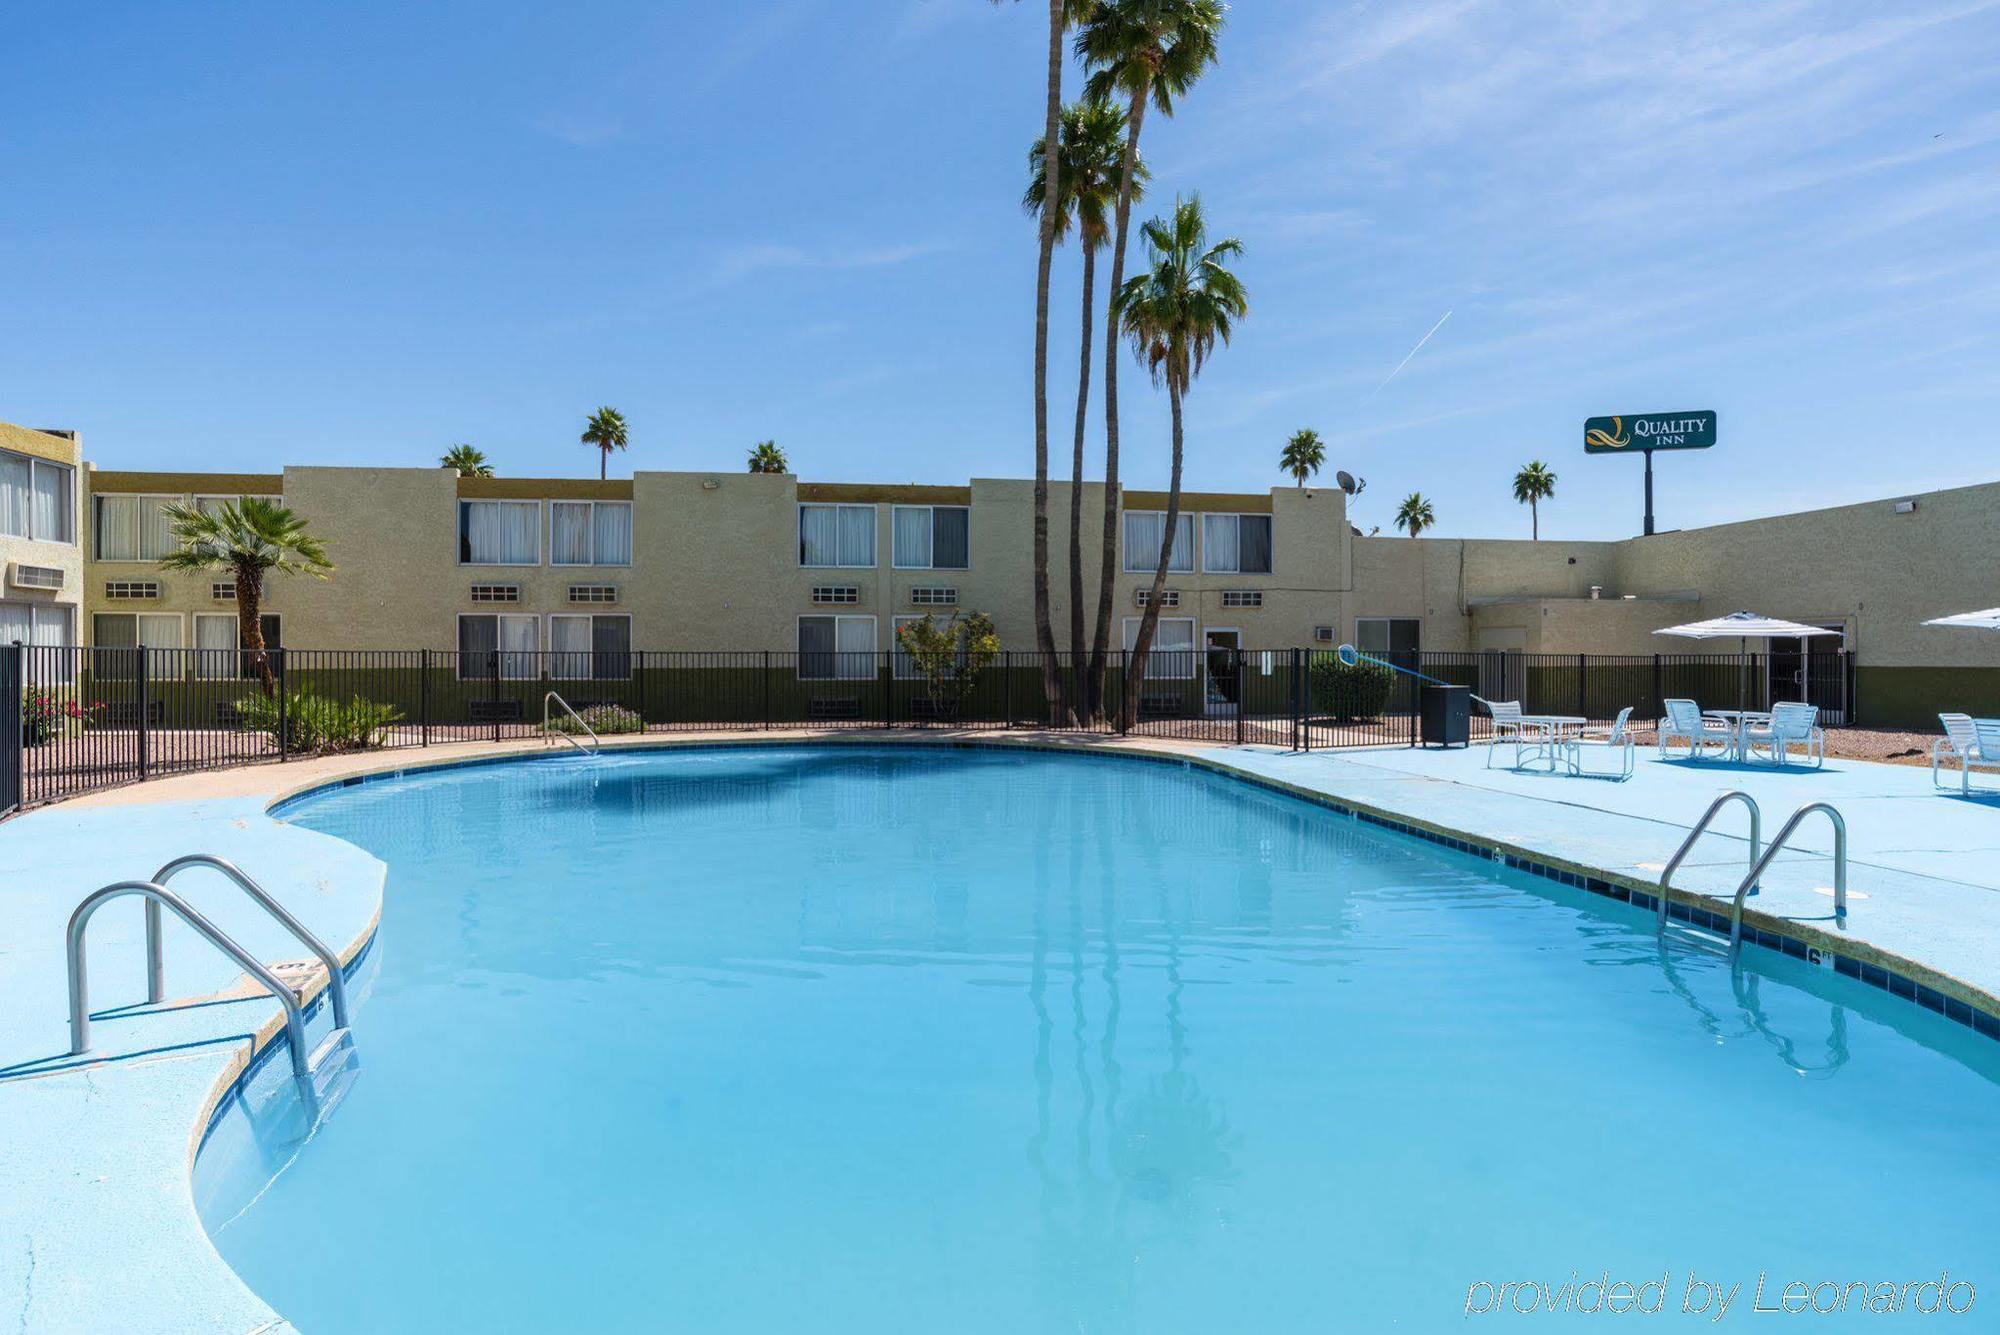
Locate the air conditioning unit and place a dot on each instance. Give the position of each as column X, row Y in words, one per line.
column 34, row 577
column 1323, row 634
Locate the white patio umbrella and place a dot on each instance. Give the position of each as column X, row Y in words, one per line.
column 1744, row 627
column 1987, row 620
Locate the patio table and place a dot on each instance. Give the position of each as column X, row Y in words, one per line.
column 1739, row 721
column 1554, row 730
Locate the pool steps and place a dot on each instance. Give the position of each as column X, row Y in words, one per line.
column 1748, row 885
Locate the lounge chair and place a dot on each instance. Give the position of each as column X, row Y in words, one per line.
column 1508, row 725
column 1685, row 720
column 1617, row 737
column 1973, row 742
column 1790, row 723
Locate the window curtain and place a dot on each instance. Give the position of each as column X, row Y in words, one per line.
column 502, row 532
column 1220, row 549
column 569, row 647
column 819, row 537
column 160, row 630
column 132, row 528
column 913, row 537
column 611, row 648
column 857, row 535
column 951, row 547
column 53, row 628
column 518, row 642
column 15, row 495
column 1145, row 530
column 215, row 643
column 815, row 648
column 1254, row 552
column 611, row 533
column 478, row 639
column 52, row 516
column 569, row 533
column 854, row 638
column 17, row 622
column 1172, row 657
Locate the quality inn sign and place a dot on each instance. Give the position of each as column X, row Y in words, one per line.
column 1654, row 431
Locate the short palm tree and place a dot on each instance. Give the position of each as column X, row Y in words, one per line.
column 1303, row 454
column 1146, row 52
column 1089, row 161
column 245, row 539
column 468, row 461
column 766, row 457
column 605, row 430
column 1534, row 483
column 1173, row 314
column 1415, row 514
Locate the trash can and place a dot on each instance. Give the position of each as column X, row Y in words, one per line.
column 1446, row 716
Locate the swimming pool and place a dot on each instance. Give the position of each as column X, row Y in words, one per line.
column 892, row 1039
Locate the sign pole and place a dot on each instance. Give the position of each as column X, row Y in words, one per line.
column 1649, row 493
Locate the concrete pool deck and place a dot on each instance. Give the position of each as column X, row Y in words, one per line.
column 98, row 1228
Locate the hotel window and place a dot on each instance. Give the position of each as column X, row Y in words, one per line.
column 499, row 533
column 131, row 528
column 932, row 537
column 849, row 594
column 1173, row 656
column 837, row 536
column 41, row 624
column 1236, row 544
column 1145, row 530
column 131, row 588
column 590, row 533
column 128, row 631
column 593, row 593
column 1242, row 597
column 1168, row 597
column 218, row 643
column 1387, row 635
column 35, row 499
column 934, row 595
column 496, row 593
column 590, row 648
column 835, row 648
column 506, row 641
column 212, row 505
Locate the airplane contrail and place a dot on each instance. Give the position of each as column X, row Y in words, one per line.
column 1406, row 359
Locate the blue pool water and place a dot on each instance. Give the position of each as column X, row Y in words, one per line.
column 880, row 1041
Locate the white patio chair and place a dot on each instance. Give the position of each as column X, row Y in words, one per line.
column 1685, row 720
column 1974, row 743
column 1617, row 738
column 1508, row 725
column 1790, row 722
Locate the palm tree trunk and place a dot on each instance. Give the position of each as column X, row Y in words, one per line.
column 250, row 628
column 1045, row 638
column 1534, row 521
column 1135, row 671
column 603, row 464
column 1078, row 647
column 1107, row 568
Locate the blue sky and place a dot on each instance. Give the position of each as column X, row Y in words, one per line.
column 237, row 237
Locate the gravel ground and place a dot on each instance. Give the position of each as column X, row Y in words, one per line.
column 1895, row 748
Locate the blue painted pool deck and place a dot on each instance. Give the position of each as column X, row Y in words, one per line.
column 1923, row 866
column 98, row 1229
column 97, row 1221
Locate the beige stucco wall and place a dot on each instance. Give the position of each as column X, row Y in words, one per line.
column 64, row 556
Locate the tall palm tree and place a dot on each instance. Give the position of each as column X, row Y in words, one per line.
column 1303, row 454
column 606, row 430
column 1533, row 484
column 766, row 457
column 1174, row 313
column 1148, row 52
column 1415, row 514
column 468, row 461
column 1091, row 152
column 245, row 539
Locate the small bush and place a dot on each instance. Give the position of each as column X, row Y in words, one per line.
column 47, row 715
column 313, row 723
column 1349, row 693
column 604, row 720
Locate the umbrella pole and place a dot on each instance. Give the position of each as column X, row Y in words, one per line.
column 1743, row 674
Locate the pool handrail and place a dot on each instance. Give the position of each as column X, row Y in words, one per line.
column 1839, row 868
column 1687, row 846
column 79, row 979
column 156, row 964
column 595, row 746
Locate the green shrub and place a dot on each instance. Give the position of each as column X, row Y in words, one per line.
column 1347, row 693
column 314, row 723
column 604, row 720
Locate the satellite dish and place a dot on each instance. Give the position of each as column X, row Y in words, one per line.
column 1349, row 483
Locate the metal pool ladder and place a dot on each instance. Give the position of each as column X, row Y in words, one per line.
column 157, row 896
column 1687, row 846
column 595, row 745
column 1759, row 862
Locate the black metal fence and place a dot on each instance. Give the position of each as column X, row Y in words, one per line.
column 93, row 718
